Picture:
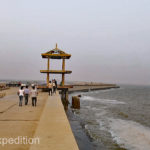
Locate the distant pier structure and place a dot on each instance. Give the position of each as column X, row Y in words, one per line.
column 56, row 53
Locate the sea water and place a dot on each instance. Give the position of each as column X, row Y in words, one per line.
column 116, row 119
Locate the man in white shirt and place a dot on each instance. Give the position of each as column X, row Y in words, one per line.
column 34, row 94
column 21, row 94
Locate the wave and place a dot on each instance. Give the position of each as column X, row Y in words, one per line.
column 105, row 101
column 130, row 135
column 103, row 91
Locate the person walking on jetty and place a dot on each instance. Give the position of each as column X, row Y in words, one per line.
column 50, row 87
column 54, row 86
column 34, row 94
column 26, row 94
column 55, row 83
column 21, row 94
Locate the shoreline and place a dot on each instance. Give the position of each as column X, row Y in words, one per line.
column 83, row 140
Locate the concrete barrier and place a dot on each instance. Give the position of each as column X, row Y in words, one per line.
column 54, row 129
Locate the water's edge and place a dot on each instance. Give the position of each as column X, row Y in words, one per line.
column 83, row 139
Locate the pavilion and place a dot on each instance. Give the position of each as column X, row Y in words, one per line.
column 56, row 53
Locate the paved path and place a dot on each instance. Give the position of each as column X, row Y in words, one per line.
column 54, row 129
column 47, row 121
column 19, row 121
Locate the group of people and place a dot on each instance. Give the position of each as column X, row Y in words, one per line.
column 25, row 93
column 52, row 86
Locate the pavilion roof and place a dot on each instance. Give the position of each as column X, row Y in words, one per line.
column 56, row 53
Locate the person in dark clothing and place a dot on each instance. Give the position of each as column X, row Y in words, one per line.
column 26, row 95
column 55, row 83
column 54, row 86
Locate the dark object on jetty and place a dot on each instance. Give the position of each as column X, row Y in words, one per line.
column 79, row 95
column 56, row 53
column 75, row 102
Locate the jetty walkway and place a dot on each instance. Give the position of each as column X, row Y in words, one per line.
column 47, row 121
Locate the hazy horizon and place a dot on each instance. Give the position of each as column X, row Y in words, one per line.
column 108, row 40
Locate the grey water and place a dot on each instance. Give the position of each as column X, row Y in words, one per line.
column 115, row 119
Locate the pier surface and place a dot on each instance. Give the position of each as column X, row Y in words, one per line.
column 86, row 88
column 47, row 121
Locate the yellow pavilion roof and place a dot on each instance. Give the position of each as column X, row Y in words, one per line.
column 56, row 53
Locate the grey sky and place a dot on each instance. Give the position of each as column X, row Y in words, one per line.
column 108, row 39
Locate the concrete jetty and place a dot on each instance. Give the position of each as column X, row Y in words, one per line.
column 86, row 88
column 53, row 128
column 47, row 121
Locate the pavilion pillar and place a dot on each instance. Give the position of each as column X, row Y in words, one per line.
column 63, row 75
column 48, row 63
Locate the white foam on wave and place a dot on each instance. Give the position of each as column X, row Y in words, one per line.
column 105, row 101
column 101, row 113
column 103, row 91
column 88, row 107
column 102, row 124
column 130, row 134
